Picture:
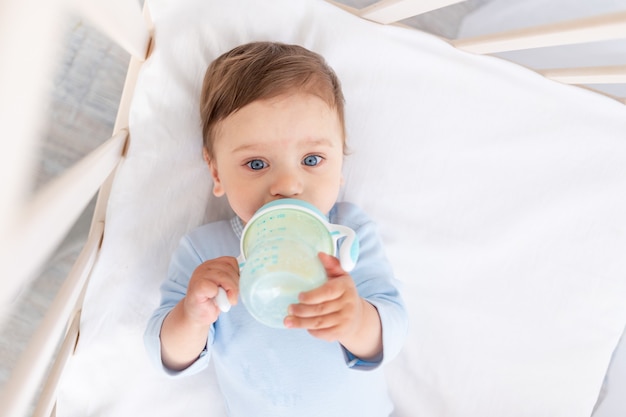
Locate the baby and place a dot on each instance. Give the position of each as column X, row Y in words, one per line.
column 273, row 127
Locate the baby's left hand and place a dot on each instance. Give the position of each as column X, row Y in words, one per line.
column 333, row 311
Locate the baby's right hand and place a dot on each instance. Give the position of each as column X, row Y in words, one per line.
column 199, row 304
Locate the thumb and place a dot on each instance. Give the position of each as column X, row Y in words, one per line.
column 331, row 265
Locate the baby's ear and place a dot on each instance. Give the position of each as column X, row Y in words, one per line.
column 218, row 190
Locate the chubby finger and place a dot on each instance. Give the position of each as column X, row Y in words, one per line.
column 220, row 272
column 312, row 310
column 334, row 288
column 325, row 321
column 202, row 290
column 219, row 269
column 330, row 290
column 331, row 265
column 226, row 264
column 230, row 281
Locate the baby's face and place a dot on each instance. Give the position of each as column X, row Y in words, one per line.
column 290, row 146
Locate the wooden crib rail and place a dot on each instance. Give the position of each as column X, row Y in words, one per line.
column 33, row 364
column 121, row 20
column 21, row 103
column 20, row 119
column 31, row 228
column 391, row 11
column 44, row 222
column 591, row 29
column 588, row 75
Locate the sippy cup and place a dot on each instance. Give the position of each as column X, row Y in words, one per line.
column 278, row 260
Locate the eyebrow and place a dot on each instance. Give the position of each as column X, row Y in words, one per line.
column 313, row 142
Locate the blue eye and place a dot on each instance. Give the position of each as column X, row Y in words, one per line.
column 312, row 160
column 256, row 164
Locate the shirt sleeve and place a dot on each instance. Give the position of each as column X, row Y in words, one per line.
column 375, row 282
column 183, row 263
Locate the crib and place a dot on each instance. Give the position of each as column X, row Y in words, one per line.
column 494, row 164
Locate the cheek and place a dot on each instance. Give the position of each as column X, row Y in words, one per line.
column 243, row 197
column 328, row 191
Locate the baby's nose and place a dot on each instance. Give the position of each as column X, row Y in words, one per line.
column 286, row 184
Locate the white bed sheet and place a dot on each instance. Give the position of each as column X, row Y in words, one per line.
column 500, row 15
column 500, row 197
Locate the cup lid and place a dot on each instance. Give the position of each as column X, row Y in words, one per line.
column 286, row 202
column 281, row 214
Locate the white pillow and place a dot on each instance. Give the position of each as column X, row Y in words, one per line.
column 499, row 195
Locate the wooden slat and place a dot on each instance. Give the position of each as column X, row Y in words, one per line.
column 29, row 47
column 32, row 365
column 390, row 11
column 120, row 20
column 598, row 28
column 46, row 220
column 121, row 121
column 587, row 75
column 342, row 6
column 47, row 400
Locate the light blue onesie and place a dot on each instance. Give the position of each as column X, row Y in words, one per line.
column 264, row 371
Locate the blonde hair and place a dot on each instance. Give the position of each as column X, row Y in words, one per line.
column 263, row 70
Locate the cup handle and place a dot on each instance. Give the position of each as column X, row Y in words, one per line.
column 241, row 260
column 349, row 248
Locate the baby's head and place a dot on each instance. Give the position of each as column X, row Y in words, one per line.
column 264, row 70
column 273, row 127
